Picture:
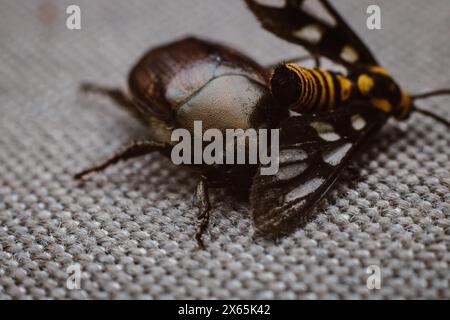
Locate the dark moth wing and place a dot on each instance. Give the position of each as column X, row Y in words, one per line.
column 313, row 151
column 294, row 23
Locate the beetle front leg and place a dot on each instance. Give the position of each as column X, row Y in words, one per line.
column 117, row 95
column 201, row 199
column 136, row 149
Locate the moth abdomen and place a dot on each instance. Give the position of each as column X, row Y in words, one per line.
column 377, row 85
column 310, row 90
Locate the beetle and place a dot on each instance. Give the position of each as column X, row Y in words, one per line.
column 324, row 117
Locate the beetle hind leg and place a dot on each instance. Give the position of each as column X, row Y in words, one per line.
column 201, row 199
column 136, row 149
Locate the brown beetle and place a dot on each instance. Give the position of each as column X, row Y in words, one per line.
column 195, row 80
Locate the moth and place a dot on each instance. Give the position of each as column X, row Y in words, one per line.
column 324, row 117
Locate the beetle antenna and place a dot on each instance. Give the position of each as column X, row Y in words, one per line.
column 439, row 119
column 434, row 93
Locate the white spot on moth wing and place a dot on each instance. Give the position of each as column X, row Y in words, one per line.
column 349, row 54
column 335, row 156
column 325, row 131
column 358, row 122
column 272, row 3
column 291, row 171
column 292, row 155
column 310, row 33
column 304, row 189
column 294, row 114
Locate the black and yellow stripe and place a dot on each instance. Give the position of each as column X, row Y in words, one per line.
column 310, row 90
column 307, row 90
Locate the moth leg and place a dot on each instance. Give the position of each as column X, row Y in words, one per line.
column 299, row 60
column 317, row 61
column 117, row 95
column 201, row 199
column 136, row 149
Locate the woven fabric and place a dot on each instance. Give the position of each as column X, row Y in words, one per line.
column 131, row 228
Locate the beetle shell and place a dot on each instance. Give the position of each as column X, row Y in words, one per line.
column 193, row 79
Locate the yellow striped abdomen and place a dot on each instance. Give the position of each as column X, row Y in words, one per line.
column 309, row 90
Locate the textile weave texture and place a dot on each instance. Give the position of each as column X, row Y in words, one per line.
column 131, row 228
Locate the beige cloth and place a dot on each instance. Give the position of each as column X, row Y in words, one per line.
column 131, row 229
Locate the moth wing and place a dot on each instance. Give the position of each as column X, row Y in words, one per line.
column 293, row 22
column 313, row 151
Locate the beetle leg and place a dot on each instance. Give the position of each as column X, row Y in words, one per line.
column 136, row 149
column 115, row 94
column 201, row 199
